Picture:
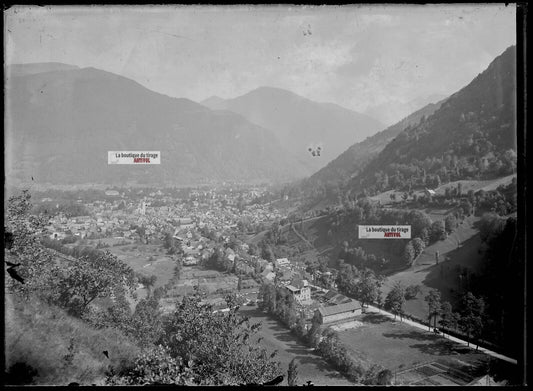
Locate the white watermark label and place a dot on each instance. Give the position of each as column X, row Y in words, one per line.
column 134, row 157
column 384, row 232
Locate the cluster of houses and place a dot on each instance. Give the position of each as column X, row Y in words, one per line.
column 117, row 217
column 157, row 212
column 328, row 305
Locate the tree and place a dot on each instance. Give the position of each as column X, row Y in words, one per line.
column 168, row 242
column 367, row 289
column 467, row 207
column 218, row 344
column 425, row 235
column 409, row 253
column 292, row 373
column 412, row 291
column 455, row 320
column 446, row 315
column 147, row 321
column 313, row 334
column 269, row 297
column 450, row 223
column 419, row 221
column 21, row 233
column 379, row 301
column 418, row 246
column 78, row 283
column 384, row 377
column 438, row 231
column 300, row 327
column 346, row 279
column 266, row 252
column 156, row 366
column 433, row 300
column 472, row 312
column 141, row 231
column 395, row 300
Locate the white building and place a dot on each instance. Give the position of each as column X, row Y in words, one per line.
column 282, row 262
column 190, row 261
column 302, row 295
column 268, row 275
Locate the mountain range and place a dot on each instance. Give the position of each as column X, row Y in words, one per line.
column 351, row 161
column 62, row 120
column 469, row 135
column 472, row 135
column 301, row 124
column 394, row 111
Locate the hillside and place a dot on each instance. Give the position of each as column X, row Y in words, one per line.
column 59, row 348
column 471, row 136
column 300, row 123
column 356, row 156
column 61, row 124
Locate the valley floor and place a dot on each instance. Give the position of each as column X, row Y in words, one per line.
column 310, row 366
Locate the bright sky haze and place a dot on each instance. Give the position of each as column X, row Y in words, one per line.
column 356, row 56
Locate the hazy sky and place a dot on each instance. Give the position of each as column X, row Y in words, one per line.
column 356, row 56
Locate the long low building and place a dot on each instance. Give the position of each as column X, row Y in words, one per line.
column 339, row 312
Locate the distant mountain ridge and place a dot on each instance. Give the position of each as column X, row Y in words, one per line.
column 300, row 123
column 34, row 68
column 358, row 155
column 393, row 111
column 62, row 120
column 471, row 136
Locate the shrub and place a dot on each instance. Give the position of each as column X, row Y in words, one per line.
column 20, row 373
column 438, row 231
column 411, row 292
column 155, row 366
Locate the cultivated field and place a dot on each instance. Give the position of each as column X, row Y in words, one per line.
column 209, row 280
column 399, row 347
column 275, row 336
column 137, row 257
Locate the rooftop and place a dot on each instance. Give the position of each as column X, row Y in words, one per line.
column 340, row 308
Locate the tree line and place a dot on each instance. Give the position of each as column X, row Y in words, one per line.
column 277, row 301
